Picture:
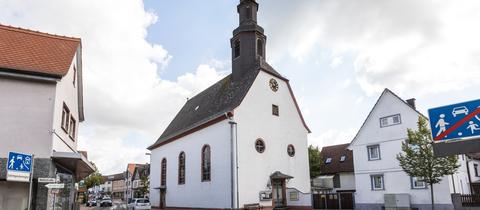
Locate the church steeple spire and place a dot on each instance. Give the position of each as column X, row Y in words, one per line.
column 248, row 42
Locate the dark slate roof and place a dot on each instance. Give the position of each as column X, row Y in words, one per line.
column 335, row 152
column 113, row 177
column 220, row 98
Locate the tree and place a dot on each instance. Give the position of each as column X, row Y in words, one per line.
column 418, row 160
column 315, row 160
column 93, row 179
column 144, row 189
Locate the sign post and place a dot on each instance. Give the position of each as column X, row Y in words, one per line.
column 456, row 128
column 20, row 169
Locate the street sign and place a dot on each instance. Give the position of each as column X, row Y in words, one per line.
column 55, row 186
column 47, row 180
column 19, row 167
column 455, row 121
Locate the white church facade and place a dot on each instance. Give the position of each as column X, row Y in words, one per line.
column 240, row 143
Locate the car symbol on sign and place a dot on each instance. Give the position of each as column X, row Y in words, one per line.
column 459, row 110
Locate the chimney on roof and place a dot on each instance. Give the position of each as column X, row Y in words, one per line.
column 411, row 103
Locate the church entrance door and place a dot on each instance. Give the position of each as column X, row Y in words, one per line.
column 278, row 193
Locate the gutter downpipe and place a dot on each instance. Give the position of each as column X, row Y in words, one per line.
column 233, row 162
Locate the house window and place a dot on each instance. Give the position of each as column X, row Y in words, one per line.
column 73, row 124
column 342, row 158
column 260, row 47
column 336, row 181
column 260, row 145
column 74, row 74
column 328, row 160
column 163, row 178
column 181, row 168
column 275, row 110
column 475, row 168
column 373, row 152
column 390, row 120
column 236, row 49
column 291, row 150
column 417, row 183
column 377, row 182
column 65, row 117
column 206, row 164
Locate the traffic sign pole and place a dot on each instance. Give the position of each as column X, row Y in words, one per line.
column 31, row 183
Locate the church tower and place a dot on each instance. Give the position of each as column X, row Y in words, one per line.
column 248, row 42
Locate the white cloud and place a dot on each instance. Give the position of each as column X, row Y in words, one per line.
column 332, row 137
column 420, row 47
column 127, row 105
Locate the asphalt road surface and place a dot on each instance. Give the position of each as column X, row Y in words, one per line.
column 116, row 206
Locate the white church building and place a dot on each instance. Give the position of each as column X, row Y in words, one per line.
column 240, row 143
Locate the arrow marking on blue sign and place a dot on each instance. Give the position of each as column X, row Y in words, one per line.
column 458, row 124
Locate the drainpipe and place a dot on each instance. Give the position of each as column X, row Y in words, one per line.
column 233, row 162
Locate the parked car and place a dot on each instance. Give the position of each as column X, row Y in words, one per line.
column 139, row 203
column 92, row 202
column 106, row 202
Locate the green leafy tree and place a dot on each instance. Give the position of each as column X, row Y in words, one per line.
column 315, row 160
column 145, row 187
column 93, row 179
column 418, row 159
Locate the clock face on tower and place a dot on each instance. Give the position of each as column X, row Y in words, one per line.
column 273, row 85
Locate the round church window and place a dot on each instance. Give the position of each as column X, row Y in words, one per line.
column 260, row 146
column 291, row 150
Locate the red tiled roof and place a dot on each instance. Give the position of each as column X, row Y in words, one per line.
column 336, row 166
column 36, row 52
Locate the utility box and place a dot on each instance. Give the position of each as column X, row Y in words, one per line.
column 397, row 201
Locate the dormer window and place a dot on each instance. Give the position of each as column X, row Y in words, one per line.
column 342, row 159
column 328, row 160
column 236, row 49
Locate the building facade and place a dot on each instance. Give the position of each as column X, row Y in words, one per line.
column 378, row 175
column 337, row 172
column 118, row 186
column 42, row 106
column 241, row 142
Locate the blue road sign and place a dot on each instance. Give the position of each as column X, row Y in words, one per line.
column 455, row 121
column 19, row 162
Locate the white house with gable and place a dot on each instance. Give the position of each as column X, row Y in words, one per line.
column 240, row 143
column 378, row 174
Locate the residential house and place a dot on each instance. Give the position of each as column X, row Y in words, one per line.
column 41, row 109
column 378, row 175
column 132, row 181
column 242, row 142
column 118, row 186
column 141, row 177
column 337, row 172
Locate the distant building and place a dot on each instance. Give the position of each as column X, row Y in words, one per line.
column 132, row 179
column 240, row 143
column 118, row 186
column 140, row 179
column 337, row 173
column 41, row 94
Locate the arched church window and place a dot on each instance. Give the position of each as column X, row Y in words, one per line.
column 206, row 163
column 236, row 51
column 163, row 176
column 260, row 47
column 181, row 168
column 260, row 145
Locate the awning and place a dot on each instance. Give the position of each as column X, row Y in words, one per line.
column 325, row 177
column 280, row 175
column 77, row 163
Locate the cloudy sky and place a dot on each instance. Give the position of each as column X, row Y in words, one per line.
column 143, row 59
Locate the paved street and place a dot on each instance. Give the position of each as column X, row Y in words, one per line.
column 116, row 206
